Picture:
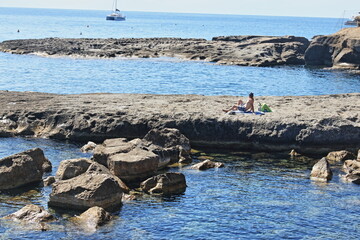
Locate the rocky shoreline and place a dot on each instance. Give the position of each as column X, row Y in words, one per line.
column 231, row 50
column 309, row 124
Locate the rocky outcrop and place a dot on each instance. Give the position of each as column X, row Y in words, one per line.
column 92, row 218
column 136, row 160
column 23, row 168
column 232, row 50
column 165, row 184
column 32, row 214
column 95, row 187
column 207, row 164
column 331, row 123
column 321, row 171
column 338, row 50
column 339, row 156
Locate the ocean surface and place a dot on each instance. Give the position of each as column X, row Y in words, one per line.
column 163, row 75
column 256, row 195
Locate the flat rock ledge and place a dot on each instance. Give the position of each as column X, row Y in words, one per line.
column 230, row 50
column 307, row 124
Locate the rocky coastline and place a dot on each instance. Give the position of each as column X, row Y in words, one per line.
column 309, row 124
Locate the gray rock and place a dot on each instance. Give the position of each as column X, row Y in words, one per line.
column 92, row 188
column 358, row 155
column 32, row 213
column 92, row 218
column 207, row 164
column 321, row 171
column 352, row 171
column 134, row 166
column 232, row 50
column 72, row 168
column 339, row 156
column 22, row 168
column 338, row 50
column 165, row 184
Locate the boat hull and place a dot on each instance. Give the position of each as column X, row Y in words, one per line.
column 115, row 18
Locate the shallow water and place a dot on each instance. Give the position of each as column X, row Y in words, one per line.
column 256, row 196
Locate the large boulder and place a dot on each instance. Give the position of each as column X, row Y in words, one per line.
column 165, row 184
column 134, row 166
column 74, row 167
column 23, row 168
column 170, row 143
column 338, row 50
column 92, row 218
column 321, row 171
column 339, row 156
column 95, row 187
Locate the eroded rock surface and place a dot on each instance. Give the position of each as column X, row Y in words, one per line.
column 338, row 50
column 339, row 156
column 32, row 213
column 312, row 124
column 232, row 50
column 23, row 168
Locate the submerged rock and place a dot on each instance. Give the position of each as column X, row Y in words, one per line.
column 22, row 168
column 92, row 218
column 321, row 171
column 31, row 213
column 165, row 184
column 207, row 164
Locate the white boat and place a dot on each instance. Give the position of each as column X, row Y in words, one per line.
column 116, row 15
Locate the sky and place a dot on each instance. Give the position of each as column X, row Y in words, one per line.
column 303, row 8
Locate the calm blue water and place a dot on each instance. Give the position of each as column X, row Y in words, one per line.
column 160, row 76
column 256, row 196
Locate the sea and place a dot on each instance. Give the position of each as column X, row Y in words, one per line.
column 255, row 196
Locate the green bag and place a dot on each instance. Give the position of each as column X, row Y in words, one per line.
column 265, row 108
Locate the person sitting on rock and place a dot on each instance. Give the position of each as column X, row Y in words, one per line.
column 249, row 106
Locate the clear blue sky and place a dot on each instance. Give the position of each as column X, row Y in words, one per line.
column 307, row 8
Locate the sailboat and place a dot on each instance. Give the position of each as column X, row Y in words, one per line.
column 116, row 15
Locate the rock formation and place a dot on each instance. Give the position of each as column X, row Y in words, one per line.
column 92, row 218
column 136, row 160
column 331, row 123
column 352, row 171
column 339, row 156
column 32, row 213
column 338, row 50
column 94, row 187
column 23, row 168
column 233, row 50
column 207, row 164
column 321, row 171
column 165, row 184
